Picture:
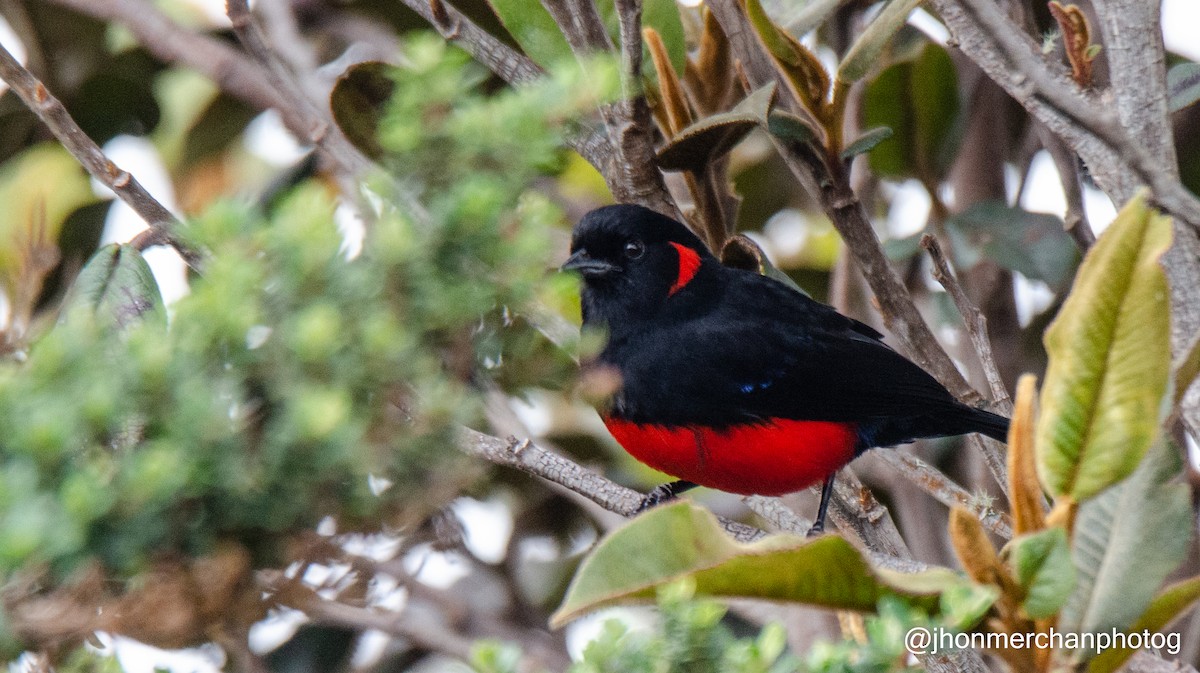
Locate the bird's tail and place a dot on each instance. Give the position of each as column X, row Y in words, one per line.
column 986, row 423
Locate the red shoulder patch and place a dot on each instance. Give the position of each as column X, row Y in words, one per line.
column 689, row 264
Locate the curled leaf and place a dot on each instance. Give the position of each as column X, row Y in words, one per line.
column 711, row 137
column 1077, row 40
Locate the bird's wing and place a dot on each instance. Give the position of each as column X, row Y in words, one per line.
column 765, row 353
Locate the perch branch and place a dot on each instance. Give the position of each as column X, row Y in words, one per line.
column 946, row 491
column 85, row 150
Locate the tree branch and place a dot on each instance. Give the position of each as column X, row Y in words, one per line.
column 318, row 124
column 228, row 68
column 973, row 319
column 85, row 150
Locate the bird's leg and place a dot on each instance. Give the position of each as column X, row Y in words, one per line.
column 663, row 493
column 818, row 526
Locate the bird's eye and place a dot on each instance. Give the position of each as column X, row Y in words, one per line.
column 634, row 249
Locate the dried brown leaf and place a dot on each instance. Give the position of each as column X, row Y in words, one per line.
column 1024, row 489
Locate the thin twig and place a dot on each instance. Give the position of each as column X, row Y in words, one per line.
column 168, row 41
column 85, row 150
column 945, row 491
column 1075, row 221
column 318, row 123
column 973, row 318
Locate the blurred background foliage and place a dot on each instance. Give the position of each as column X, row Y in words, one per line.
column 173, row 441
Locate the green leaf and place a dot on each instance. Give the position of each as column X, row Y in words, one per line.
column 790, row 127
column 802, row 68
column 866, row 141
column 1042, row 565
column 695, row 146
column 918, row 100
column 1127, row 540
column 1183, row 85
column 683, row 541
column 534, row 30
column 1033, row 244
column 357, row 101
column 1165, row 607
column 865, row 51
column 117, row 284
column 1109, row 353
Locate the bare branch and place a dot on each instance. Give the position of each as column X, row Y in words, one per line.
column 973, row 318
column 512, row 66
column 232, row 71
column 946, row 491
column 318, row 124
column 1075, row 222
column 52, row 113
column 580, row 23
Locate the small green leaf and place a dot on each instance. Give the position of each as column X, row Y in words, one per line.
column 683, row 541
column 1183, row 85
column 1165, row 607
column 865, row 51
column 866, row 141
column 790, row 127
column 1109, row 350
column 1042, row 565
column 695, row 146
column 117, row 284
column 1127, row 540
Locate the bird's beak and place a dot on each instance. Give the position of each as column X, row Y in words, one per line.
column 588, row 267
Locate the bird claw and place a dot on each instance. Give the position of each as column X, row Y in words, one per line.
column 817, row 529
column 661, row 493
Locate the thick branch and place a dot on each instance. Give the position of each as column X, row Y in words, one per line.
column 52, row 113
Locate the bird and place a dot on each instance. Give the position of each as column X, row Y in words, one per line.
column 733, row 380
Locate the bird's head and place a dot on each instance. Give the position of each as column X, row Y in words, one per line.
column 632, row 260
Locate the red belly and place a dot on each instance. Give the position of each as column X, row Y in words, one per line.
column 772, row 458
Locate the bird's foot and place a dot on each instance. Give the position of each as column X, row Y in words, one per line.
column 817, row 529
column 663, row 493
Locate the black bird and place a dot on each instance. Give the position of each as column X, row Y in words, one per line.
column 735, row 381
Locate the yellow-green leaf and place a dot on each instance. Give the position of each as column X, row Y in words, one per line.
column 1109, row 359
column 683, row 541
